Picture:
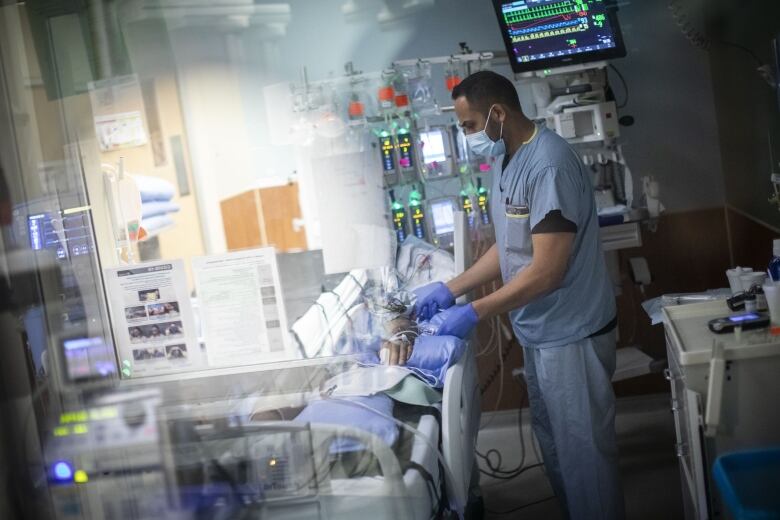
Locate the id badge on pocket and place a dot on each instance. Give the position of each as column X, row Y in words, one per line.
column 521, row 211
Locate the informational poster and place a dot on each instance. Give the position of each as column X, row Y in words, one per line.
column 153, row 322
column 241, row 307
column 118, row 108
column 116, row 131
column 351, row 204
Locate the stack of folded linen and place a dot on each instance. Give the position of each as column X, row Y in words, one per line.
column 157, row 205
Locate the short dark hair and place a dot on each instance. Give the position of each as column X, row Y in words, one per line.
column 485, row 88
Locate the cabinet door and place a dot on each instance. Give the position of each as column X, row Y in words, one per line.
column 693, row 449
column 280, row 209
column 242, row 221
column 686, row 411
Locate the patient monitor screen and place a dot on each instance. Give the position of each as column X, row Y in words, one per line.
column 551, row 33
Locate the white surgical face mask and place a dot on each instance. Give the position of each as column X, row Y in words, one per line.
column 481, row 144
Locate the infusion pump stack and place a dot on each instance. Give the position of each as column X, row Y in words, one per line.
column 432, row 160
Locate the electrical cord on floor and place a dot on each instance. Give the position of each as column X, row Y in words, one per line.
column 513, row 476
column 518, row 508
column 496, row 471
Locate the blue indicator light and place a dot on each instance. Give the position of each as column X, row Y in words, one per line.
column 63, row 471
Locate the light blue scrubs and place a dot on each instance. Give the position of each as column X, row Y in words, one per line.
column 568, row 370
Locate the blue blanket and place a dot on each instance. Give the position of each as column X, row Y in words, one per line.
column 341, row 413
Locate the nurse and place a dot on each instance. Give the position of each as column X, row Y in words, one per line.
column 556, row 290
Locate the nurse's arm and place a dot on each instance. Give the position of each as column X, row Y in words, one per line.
column 484, row 270
column 545, row 274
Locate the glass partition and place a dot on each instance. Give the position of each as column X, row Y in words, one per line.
column 197, row 239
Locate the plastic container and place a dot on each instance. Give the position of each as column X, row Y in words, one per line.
column 748, row 483
column 774, row 264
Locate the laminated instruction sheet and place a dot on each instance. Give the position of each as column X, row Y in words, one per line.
column 153, row 323
column 241, row 307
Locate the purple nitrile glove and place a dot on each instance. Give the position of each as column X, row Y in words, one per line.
column 460, row 322
column 431, row 299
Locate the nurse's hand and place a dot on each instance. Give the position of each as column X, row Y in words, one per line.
column 460, row 322
column 431, row 299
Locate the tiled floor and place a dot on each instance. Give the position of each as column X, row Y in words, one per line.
column 648, row 464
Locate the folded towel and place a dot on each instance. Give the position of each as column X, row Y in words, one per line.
column 155, row 208
column 154, row 225
column 154, row 188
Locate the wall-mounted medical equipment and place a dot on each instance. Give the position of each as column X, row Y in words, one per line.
column 400, row 221
column 467, row 206
column 483, row 202
column 441, row 221
column 397, row 152
column 436, row 153
column 417, row 213
column 545, row 34
column 389, row 166
column 584, row 124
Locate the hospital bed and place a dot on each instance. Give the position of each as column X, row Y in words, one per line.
column 408, row 480
column 292, row 470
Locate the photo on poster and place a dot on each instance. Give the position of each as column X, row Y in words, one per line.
column 148, row 354
column 136, row 334
column 176, row 352
column 172, row 329
column 168, row 309
column 136, row 313
column 149, row 295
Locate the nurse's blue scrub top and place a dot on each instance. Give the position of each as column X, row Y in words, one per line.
column 544, row 175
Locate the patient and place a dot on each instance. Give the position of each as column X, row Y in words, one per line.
column 401, row 332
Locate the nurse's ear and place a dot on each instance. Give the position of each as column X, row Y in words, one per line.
column 499, row 112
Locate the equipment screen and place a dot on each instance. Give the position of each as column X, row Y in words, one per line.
column 541, row 34
column 88, row 358
column 433, row 146
column 743, row 317
column 443, row 215
column 68, row 235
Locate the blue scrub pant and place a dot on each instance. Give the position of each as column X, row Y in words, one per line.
column 573, row 417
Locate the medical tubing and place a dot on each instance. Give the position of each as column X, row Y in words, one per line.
column 489, row 346
column 401, row 334
column 458, row 508
column 426, row 257
column 503, row 354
